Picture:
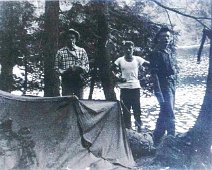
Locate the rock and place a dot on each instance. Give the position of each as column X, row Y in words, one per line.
column 141, row 143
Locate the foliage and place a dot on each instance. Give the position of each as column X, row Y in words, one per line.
column 189, row 29
column 124, row 24
column 195, row 8
column 16, row 34
column 16, row 21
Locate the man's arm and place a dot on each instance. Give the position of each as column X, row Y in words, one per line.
column 146, row 63
column 116, row 71
column 142, row 62
column 156, row 84
column 157, row 89
column 85, row 62
column 57, row 64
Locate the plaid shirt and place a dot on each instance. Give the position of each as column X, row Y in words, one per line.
column 65, row 58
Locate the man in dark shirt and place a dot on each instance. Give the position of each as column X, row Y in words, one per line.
column 164, row 69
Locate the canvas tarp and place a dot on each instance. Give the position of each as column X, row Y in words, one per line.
column 68, row 133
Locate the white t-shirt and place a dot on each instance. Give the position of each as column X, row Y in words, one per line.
column 129, row 71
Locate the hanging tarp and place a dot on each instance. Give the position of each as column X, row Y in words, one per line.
column 61, row 133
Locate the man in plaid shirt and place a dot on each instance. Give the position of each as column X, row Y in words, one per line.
column 72, row 64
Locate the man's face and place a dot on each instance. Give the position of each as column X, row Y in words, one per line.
column 129, row 50
column 164, row 39
column 71, row 39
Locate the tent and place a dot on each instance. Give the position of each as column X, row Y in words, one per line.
column 67, row 133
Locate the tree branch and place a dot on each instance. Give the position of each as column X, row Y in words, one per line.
column 181, row 13
column 169, row 18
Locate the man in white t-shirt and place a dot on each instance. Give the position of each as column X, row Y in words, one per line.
column 130, row 85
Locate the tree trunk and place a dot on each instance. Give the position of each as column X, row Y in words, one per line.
column 201, row 133
column 6, row 78
column 51, row 81
column 103, row 59
column 8, row 51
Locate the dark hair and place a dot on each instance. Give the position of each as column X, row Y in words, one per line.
column 70, row 31
column 128, row 43
column 161, row 30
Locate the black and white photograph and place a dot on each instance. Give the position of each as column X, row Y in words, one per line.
column 105, row 84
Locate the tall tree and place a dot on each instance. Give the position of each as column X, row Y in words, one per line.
column 50, row 43
column 103, row 59
column 202, row 131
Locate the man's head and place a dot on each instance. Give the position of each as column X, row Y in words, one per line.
column 162, row 38
column 71, row 36
column 128, row 48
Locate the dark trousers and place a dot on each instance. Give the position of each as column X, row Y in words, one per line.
column 71, row 88
column 166, row 119
column 131, row 99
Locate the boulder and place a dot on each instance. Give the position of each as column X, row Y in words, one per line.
column 141, row 143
